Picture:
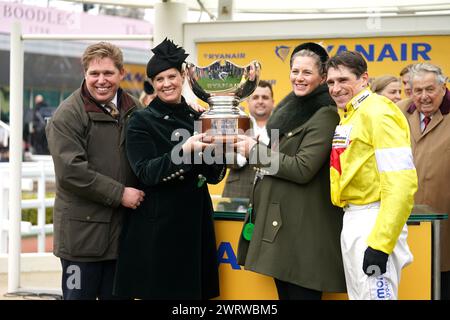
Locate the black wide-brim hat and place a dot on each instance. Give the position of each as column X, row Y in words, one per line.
column 167, row 55
column 314, row 47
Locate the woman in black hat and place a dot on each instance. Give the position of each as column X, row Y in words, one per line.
column 167, row 248
column 296, row 231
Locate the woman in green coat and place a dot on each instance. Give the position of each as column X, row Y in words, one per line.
column 296, row 231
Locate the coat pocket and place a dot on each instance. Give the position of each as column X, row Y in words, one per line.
column 86, row 230
column 87, row 237
column 273, row 223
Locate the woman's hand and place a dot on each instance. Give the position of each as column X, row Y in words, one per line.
column 196, row 143
column 244, row 144
column 196, row 107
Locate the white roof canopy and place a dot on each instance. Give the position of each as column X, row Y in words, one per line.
column 299, row 7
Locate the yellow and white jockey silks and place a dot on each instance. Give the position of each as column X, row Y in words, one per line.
column 357, row 225
column 371, row 160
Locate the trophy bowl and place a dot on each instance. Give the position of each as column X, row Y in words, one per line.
column 223, row 85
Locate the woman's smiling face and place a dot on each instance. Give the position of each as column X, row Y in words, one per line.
column 305, row 76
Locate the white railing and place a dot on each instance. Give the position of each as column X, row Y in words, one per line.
column 40, row 171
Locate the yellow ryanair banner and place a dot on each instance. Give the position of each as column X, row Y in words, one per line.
column 385, row 55
column 236, row 283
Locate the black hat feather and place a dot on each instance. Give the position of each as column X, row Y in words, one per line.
column 166, row 55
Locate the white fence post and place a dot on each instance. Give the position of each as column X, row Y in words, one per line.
column 15, row 156
column 4, row 203
column 41, row 208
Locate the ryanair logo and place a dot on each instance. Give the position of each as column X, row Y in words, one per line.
column 282, row 52
column 226, row 56
column 374, row 52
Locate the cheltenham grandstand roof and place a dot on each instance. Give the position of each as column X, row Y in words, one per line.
column 285, row 9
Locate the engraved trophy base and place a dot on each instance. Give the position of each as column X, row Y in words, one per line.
column 225, row 129
column 224, row 132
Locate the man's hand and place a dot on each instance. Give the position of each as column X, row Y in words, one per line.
column 132, row 197
column 374, row 262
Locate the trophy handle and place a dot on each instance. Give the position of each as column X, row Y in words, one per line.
column 193, row 78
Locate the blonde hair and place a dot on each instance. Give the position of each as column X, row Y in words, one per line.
column 308, row 53
column 102, row 50
column 378, row 84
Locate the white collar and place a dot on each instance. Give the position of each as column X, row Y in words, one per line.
column 114, row 100
column 422, row 116
column 255, row 123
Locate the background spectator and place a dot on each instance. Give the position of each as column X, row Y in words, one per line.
column 38, row 139
column 388, row 86
column 429, row 122
column 240, row 177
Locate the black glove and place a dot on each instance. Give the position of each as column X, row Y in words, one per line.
column 374, row 261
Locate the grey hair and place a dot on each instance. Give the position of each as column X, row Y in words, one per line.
column 311, row 54
column 420, row 68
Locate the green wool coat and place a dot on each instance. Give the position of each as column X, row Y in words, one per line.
column 297, row 230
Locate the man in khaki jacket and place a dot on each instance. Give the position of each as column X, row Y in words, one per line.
column 240, row 179
column 93, row 178
column 429, row 121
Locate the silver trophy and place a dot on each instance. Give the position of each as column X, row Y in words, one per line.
column 223, row 85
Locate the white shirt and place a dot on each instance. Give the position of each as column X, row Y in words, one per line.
column 260, row 131
column 114, row 100
column 422, row 124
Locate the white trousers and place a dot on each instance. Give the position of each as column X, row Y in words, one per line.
column 358, row 223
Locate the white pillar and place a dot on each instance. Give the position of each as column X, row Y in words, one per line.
column 15, row 156
column 169, row 19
